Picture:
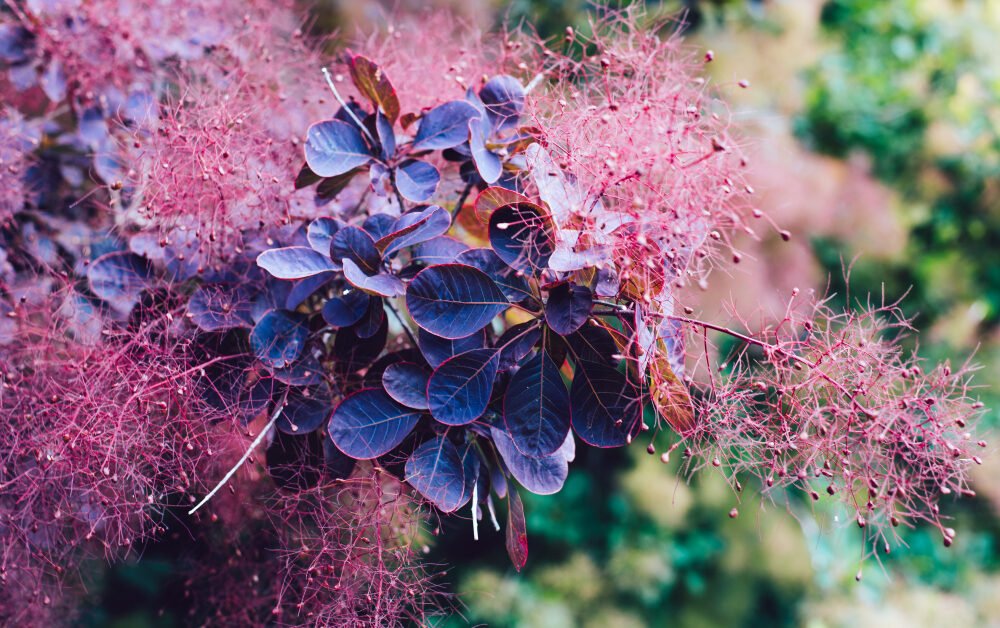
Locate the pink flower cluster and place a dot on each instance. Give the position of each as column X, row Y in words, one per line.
column 829, row 403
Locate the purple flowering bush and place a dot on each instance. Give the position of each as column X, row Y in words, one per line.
column 324, row 308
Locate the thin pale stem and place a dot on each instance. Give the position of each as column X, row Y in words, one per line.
column 336, row 94
column 245, row 456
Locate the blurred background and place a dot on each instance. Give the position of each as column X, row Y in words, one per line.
column 872, row 126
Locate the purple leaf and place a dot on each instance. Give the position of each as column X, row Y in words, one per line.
column 415, row 227
column 536, row 407
column 295, row 262
column 320, row 234
column 460, row 388
column 503, row 97
column 487, row 162
column 523, row 235
column 334, row 147
column 417, row 180
column 568, row 307
column 358, row 246
column 279, row 338
column 604, row 406
column 454, row 300
column 406, row 382
column 214, row 308
column 347, row 309
column 514, row 286
column 369, row 424
column 119, row 278
column 541, row 476
column 436, row 471
column 444, row 126
column 381, row 284
column 436, row 349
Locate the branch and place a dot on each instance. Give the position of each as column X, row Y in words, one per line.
column 249, row 451
column 778, row 351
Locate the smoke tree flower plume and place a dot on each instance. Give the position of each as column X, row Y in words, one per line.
column 320, row 311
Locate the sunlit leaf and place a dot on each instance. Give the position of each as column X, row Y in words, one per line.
column 334, row 147
column 295, row 262
column 444, row 126
column 374, row 85
column 417, row 180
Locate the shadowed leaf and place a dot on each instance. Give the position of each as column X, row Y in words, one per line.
column 536, row 407
column 369, row 424
column 435, row 469
column 453, row 300
column 459, row 389
column 279, row 338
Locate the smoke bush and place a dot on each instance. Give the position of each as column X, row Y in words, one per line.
column 480, row 264
column 828, row 403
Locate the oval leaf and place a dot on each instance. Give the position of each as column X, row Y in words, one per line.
column 406, row 382
column 305, row 288
column 119, row 278
column 214, row 308
column 379, row 225
column 536, row 407
column 371, row 322
column 523, row 235
column 436, row 471
column 347, row 309
column 369, row 424
column 444, row 126
column 517, row 342
column 439, row 250
column 513, row 285
column 437, row 349
column 568, row 307
column 459, row 390
column 355, row 244
column 295, row 262
column 374, row 85
column 334, row 147
column 453, row 300
column 495, row 197
column 503, row 97
column 415, row 227
column 488, row 163
column 279, row 337
column 382, row 284
column 304, row 414
column 320, row 233
column 417, row 180
column 604, row 407
column 541, row 476
column 386, row 136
